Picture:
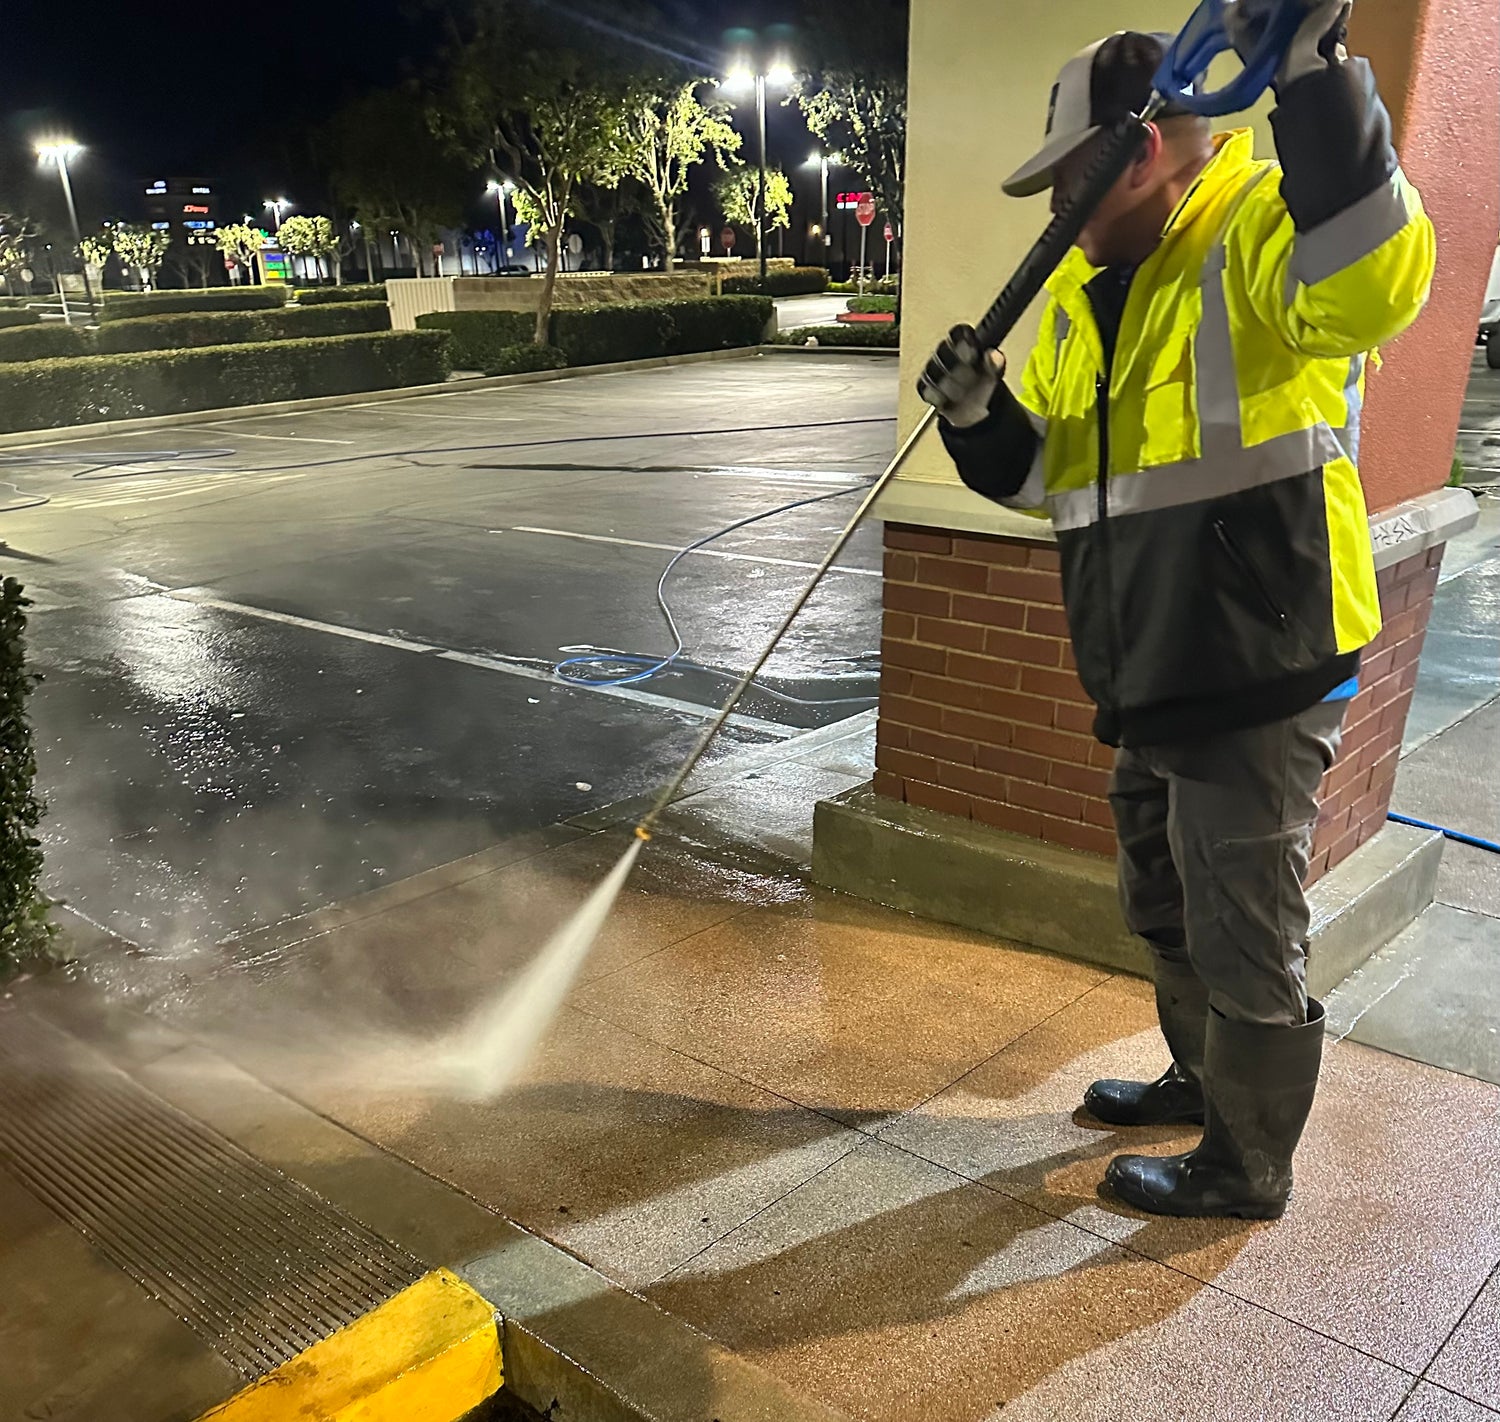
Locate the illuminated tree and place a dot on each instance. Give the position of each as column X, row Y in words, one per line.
column 144, row 248
column 242, row 244
column 738, row 192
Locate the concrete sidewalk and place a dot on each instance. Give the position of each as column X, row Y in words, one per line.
column 844, row 1144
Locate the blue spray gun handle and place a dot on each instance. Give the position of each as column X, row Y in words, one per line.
column 1206, row 36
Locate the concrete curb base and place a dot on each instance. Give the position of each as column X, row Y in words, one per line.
column 1024, row 891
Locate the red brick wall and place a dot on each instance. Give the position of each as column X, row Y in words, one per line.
column 1356, row 793
column 981, row 713
column 982, row 716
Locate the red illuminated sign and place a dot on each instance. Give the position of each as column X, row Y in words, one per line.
column 194, row 207
column 849, row 200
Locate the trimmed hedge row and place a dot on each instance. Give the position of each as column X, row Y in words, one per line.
column 19, row 316
column 39, row 342
column 334, row 295
column 600, row 335
column 123, row 306
column 184, row 330
column 46, row 394
column 882, row 336
column 873, row 305
column 477, row 339
column 780, row 281
column 517, row 360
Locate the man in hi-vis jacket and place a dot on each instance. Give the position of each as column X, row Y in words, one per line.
column 1189, row 420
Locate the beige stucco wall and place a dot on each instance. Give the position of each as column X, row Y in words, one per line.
column 981, row 73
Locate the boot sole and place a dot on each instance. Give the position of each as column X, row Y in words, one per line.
column 1149, row 1205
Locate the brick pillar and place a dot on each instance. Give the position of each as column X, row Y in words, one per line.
column 982, row 716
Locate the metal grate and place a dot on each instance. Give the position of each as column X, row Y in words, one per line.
column 257, row 1265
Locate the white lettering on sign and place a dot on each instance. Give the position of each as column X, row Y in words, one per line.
column 1392, row 531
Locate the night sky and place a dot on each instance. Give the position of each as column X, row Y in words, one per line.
column 223, row 93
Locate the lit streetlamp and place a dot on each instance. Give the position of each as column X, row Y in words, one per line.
column 276, row 206
column 501, row 192
column 738, row 81
column 60, row 153
column 823, row 162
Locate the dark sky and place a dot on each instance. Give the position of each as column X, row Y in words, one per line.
column 193, row 88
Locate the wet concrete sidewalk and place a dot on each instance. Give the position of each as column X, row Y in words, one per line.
column 845, row 1143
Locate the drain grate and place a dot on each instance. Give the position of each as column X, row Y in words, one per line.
column 257, row 1265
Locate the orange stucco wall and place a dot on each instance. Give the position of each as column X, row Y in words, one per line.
column 1438, row 62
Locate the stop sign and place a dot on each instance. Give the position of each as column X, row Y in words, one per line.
column 864, row 210
column 890, row 233
column 727, row 238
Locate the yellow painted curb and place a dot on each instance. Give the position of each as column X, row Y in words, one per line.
column 430, row 1354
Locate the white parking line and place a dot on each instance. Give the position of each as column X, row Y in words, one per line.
column 469, row 659
column 699, row 552
column 293, row 439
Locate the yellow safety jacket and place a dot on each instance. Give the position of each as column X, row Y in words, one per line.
column 1203, row 483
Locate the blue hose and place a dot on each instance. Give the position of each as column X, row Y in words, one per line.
column 1457, row 835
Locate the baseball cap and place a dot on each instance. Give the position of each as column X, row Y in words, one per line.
column 1099, row 86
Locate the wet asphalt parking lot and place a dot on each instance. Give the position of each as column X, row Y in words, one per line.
column 316, row 655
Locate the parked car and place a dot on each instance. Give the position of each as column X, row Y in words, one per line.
column 1489, row 318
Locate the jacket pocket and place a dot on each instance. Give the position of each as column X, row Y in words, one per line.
column 1252, row 577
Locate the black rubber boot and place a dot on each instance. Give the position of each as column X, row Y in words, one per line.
column 1175, row 1096
column 1259, row 1084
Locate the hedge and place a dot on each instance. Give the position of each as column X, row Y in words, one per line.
column 19, row 316
column 334, row 295
column 873, row 305
column 25, row 931
column 46, row 394
column 780, row 281
column 184, row 330
column 515, row 360
column 479, row 338
column 599, row 335
column 596, row 335
column 42, row 342
column 123, row 306
column 881, row 336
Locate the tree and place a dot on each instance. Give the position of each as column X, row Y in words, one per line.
column 389, row 166
column 853, row 95
column 15, row 233
column 670, row 132
column 242, row 244
column 550, row 114
column 738, row 192
column 312, row 239
column 94, row 251
column 143, row 248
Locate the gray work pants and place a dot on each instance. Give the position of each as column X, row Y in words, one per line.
column 1214, row 838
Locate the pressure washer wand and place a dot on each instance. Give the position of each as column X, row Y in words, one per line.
column 1040, row 262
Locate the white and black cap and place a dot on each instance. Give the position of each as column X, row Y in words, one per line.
column 1099, row 86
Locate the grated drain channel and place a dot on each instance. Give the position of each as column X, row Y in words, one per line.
column 255, row 1264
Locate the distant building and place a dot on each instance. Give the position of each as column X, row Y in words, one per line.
column 184, row 207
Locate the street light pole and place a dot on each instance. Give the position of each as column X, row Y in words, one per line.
column 59, row 153
column 760, row 206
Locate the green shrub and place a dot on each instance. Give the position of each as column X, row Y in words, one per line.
column 780, row 281
column 843, row 287
column 122, row 306
column 873, row 305
column 642, row 330
column 24, row 929
column 187, row 329
column 517, row 360
column 479, row 338
column 1456, row 473
column 334, row 295
column 42, row 342
column 46, row 394
column 881, row 336
column 19, row 316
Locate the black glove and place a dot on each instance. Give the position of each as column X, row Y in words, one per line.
column 961, row 378
column 1318, row 43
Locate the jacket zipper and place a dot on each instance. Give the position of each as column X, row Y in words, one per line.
column 1252, row 575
